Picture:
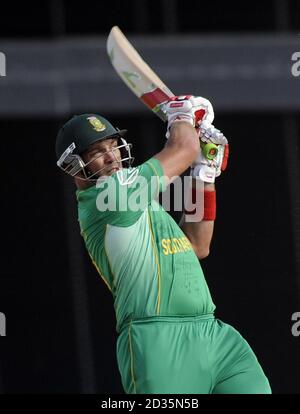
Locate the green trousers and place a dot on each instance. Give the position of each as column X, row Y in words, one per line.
column 187, row 355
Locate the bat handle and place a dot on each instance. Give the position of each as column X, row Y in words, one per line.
column 209, row 150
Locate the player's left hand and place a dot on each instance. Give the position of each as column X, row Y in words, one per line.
column 213, row 157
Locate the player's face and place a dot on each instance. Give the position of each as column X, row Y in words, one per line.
column 104, row 157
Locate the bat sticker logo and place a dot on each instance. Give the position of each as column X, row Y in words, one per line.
column 129, row 75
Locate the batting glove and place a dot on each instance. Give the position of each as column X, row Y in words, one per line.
column 213, row 157
column 188, row 108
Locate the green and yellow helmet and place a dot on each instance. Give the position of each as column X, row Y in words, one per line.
column 76, row 136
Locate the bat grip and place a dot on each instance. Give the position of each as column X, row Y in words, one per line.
column 209, row 150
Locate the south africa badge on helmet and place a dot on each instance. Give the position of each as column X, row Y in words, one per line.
column 96, row 123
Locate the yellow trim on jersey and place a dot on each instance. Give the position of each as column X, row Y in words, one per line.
column 109, row 262
column 95, row 264
column 100, row 273
column 157, row 263
column 131, row 358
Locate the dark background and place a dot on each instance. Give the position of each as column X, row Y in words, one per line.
column 60, row 321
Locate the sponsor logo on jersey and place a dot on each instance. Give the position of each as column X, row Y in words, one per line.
column 175, row 245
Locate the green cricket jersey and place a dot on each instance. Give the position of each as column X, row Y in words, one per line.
column 140, row 252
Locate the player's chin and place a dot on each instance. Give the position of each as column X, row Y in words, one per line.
column 116, row 166
column 113, row 170
column 110, row 171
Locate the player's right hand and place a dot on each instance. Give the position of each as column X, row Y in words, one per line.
column 213, row 157
column 188, row 108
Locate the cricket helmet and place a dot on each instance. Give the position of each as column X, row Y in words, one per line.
column 76, row 136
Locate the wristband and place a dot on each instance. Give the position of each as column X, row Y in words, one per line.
column 210, row 205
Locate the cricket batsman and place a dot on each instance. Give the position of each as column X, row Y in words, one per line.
column 169, row 341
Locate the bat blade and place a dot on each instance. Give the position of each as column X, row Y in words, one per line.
column 135, row 72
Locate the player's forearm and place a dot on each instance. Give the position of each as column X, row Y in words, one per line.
column 181, row 134
column 180, row 150
column 199, row 233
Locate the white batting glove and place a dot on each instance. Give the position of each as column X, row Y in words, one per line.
column 188, row 108
column 213, row 157
column 209, row 133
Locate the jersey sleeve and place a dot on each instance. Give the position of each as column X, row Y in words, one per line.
column 122, row 198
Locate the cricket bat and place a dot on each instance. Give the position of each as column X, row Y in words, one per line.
column 135, row 72
column 141, row 79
